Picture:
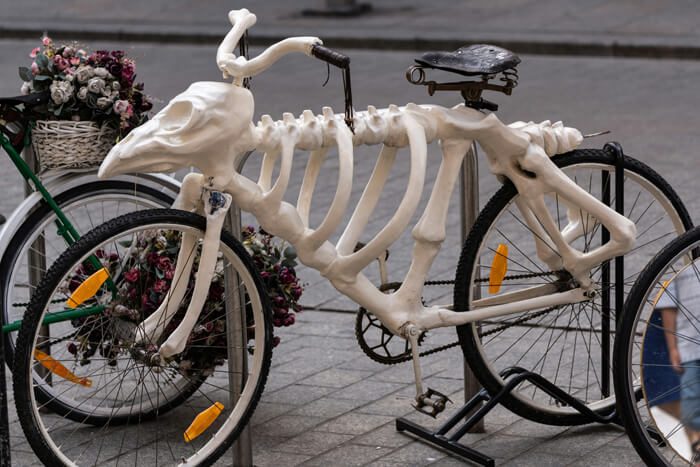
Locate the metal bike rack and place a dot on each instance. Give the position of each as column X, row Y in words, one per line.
column 472, row 413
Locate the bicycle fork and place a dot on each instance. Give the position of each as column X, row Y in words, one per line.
column 216, row 205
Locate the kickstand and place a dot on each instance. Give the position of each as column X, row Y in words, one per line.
column 513, row 377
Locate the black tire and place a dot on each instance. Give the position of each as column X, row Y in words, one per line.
column 480, row 359
column 631, row 386
column 13, row 300
column 53, row 445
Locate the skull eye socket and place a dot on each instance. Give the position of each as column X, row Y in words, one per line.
column 178, row 117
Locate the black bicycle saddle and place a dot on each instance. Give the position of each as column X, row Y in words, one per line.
column 29, row 100
column 478, row 59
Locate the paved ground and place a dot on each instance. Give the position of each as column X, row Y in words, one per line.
column 325, row 402
column 640, row 28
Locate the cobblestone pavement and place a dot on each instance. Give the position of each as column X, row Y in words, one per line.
column 325, row 402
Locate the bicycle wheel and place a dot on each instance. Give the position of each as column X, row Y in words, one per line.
column 564, row 344
column 86, row 206
column 108, row 401
column 660, row 403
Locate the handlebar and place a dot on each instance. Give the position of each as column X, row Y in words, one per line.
column 330, row 56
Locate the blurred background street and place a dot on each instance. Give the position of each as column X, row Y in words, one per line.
column 630, row 67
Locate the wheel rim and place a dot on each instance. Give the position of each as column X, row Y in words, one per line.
column 164, row 428
column 549, row 352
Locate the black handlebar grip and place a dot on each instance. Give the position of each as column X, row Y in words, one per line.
column 330, row 56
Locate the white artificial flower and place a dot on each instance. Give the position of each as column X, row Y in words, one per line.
column 103, row 103
column 84, row 73
column 26, row 88
column 101, row 72
column 61, row 92
column 82, row 93
column 96, row 85
column 116, row 86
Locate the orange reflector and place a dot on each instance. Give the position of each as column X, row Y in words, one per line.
column 499, row 266
column 663, row 289
column 203, row 421
column 88, row 288
column 58, row 369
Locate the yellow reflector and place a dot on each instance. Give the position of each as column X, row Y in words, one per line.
column 58, row 369
column 203, row 421
column 499, row 266
column 88, row 288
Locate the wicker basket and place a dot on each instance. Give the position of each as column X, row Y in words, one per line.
column 66, row 144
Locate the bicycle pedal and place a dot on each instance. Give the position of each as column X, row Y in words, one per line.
column 431, row 403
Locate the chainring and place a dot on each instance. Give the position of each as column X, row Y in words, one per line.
column 381, row 351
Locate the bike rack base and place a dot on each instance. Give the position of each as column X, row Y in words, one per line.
column 513, row 377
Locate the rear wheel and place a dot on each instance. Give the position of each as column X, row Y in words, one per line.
column 108, row 400
column 564, row 343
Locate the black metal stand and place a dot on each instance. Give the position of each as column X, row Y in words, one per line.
column 516, row 375
column 513, row 377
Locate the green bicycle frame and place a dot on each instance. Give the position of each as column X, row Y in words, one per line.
column 65, row 230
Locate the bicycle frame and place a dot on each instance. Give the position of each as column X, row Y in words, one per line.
column 209, row 126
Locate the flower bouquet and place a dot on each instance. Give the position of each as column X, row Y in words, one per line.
column 143, row 278
column 93, row 101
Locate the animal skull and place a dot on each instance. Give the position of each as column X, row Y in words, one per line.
column 208, row 126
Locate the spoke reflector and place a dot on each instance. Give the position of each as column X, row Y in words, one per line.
column 203, row 421
column 499, row 267
column 58, row 369
column 88, row 288
column 663, row 289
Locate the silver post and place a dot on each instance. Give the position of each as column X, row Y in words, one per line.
column 36, row 263
column 237, row 339
column 469, row 209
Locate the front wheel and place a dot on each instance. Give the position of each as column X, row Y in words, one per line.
column 569, row 345
column 106, row 398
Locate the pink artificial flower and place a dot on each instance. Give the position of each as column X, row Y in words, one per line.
column 160, row 286
column 60, row 62
column 129, row 110
column 132, row 275
column 75, row 61
column 164, row 264
column 35, row 68
column 35, row 51
column 169, row 274
column 46, row 40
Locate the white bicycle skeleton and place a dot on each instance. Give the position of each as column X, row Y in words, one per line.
column 210, row 127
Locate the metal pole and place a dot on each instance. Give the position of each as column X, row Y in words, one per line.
column 469, row 209
column 237, row 340
column 605, row 298
column 36, row 264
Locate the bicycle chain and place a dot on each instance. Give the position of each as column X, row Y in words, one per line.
column 407, row 356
